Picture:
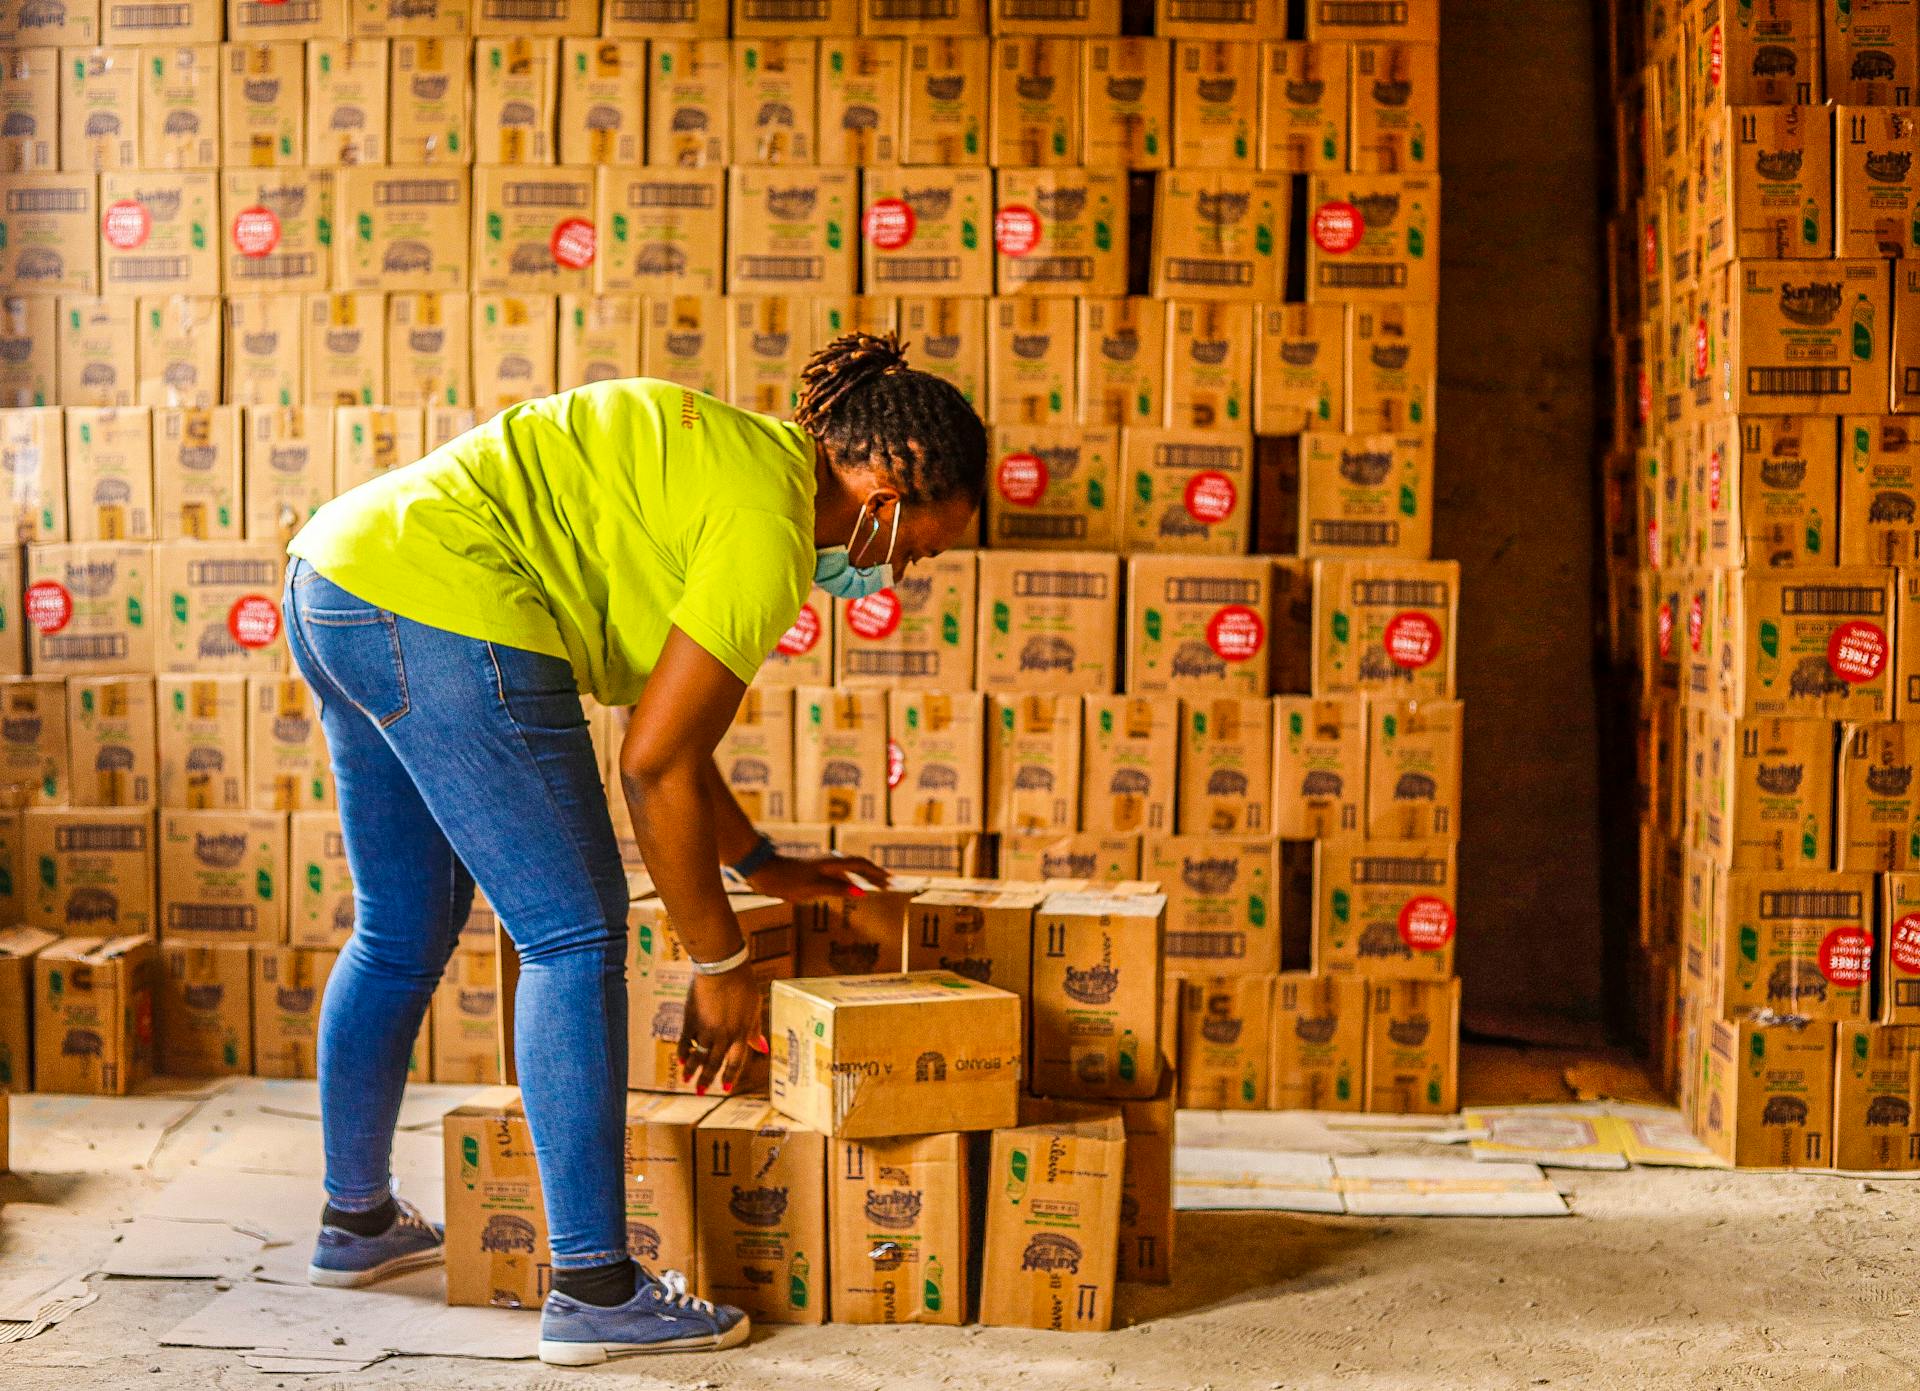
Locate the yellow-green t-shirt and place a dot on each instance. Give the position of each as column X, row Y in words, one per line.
column 584, row 526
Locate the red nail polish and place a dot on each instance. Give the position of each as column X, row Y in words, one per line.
column 855, row 891
column 727, row 1087
column 700, row 1091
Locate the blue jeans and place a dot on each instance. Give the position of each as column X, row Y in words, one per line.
column 449, row 754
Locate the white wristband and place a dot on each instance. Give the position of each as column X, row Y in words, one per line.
column 720, row 968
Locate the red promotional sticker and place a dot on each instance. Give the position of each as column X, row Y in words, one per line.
column 798, row 640
column 49, row 606
column 1846, row 956
column 572, row 243
column 1715, row 57
column 875, row 616
column 1236, row 633
column 1857, row 651
column 1653, row 539
column 1903, row 944
column 1700, row 350
column 254, row 621
column 1426, row 923
column 126, row 224
column 1716, row 461
column 896, row 763
column 888, row 224
column 1210, row 497
column 1652, row 240
column 1022, row 479
column 1645, row 395
column 1663, row 623
column 1337, row 227
column 1016, row 229
column 1696, row 620
column 1412, row 640
column 256, row 232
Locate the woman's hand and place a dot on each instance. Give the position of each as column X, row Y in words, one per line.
column 815, row 878
column 720, row 1029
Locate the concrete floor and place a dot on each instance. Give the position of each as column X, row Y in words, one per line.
column 1663, row 1278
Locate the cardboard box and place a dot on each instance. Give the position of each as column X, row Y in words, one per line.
column 515, row 350
column 1879, row 490
column 426, row 353
column 263, row 100
column 1319, row 1042
column 899, row 1215
column 1385, row 627
column 1319, row 767
column 949, row 338
column 1096, row 995
column 286, row 750
column 89, row 605
column 111, row 738
column 660, row 973
column 1048, row 619
column 288, row 985
column 443, row 18
column 1226, row 767
column 926, row 231
column 202, row 742
column 1033, row 357
column 1053, row 1196
column 1033, row 762
column 756, row 754
column 1806, row 338
column 347, row 101
column 320, row 911
column 134, row 23
column 984, row 934
column 1791, row 942
column 918, row 18
column 1875, row 1088
column 1413, row 1047
column 660, row 1151
column 109, row 474
column 1128, row 782
column 768, row 345
column 157, row 232
column 429, row 92
column 178, row 350
column 1146, row 1201
column 1123, row 363
column 603, row 101
column 934, row 753
column 1396, row 108
column 254, row 19
column 1767, row 186
column 51, row 243
column 1055, row 487
column 790, row 231
column 93, row 1015
column 496, row 1219
column 369, row 441
column 533, row 231
column 859, row 936
column 1771, row 55
column 95, row 349
column 345, row 350
column 18, row 947
column 264, row 341
column 1126, row 117
column 1219, row 234
column 220, row 607
column 1872, row 51
column 1304, row 107
column 1060, row 232
column 447, row 423
column 466, row 1017
column 1393, row 368
column 840, row 755
column 959, row 1036
column 1210, row 365
column 1080, row 858
column 572, row 17
column 33, row 456
column 1226, row 1042
column 1767, row 1093
column 689, row 109
column 100, row 109
column 946, row 105
column 1222, row 908
column 833, row 315
column 861, row 99
column 402, row 228
column 661, row 231
column 685, row 340
column 180, row 106
column 1035, row 99
column 205, row 1010
column 919, row 633
column 773, row 84
column 1766, row 491
column 1879, row 820
column 1876, row 190
column 34, row 748
column 804, row 654
column 30, row 105
column 1413, row 768
column 1812, row 645
column 1216, row 107
column 1299, row 367
column 287, row 465
column 1187, row 490
column 223, row 877
column 1373, row 237
column 61, row 22
column 599, row 339
column 1385, row 911
column 1366, row 496
column 760, row 1192
column 1197, row 625
column 515, row 99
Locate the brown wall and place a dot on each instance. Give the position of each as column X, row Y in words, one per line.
column 1521, row 303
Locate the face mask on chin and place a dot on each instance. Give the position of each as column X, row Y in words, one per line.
column 835, row 572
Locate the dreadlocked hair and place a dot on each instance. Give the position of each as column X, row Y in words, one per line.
column 859, row 398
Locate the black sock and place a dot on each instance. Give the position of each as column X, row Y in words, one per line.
column 604, row 1286
column 372, row 1222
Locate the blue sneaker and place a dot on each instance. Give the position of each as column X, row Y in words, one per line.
column 346, row 1261
column 661, row 1317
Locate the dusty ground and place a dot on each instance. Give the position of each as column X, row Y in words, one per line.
column 1664, row 1278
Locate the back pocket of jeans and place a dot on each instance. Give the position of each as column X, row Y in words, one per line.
column 360, row 650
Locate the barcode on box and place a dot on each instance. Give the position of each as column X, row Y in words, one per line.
column 1357, row 535
column 1027, row 526
column 1191, row 270
column 211, row 917
column 1346, row 276
column 789, row 268
column 891, row 270
column 1799, row 381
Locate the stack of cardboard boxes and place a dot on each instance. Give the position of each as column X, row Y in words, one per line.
column 1760, row 506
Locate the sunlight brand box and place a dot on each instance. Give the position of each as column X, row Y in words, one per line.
column 1373, row 237
column 1879, row 491
column 1392, row 368
column 100, row 109
column 263, row 97
column 91, row 607
column 983, row 933
column 1187, row 490
column 1878, row 827
column 223, row 877
column 1791, row 943
column 1053, row 1194
column 91, row 869
column 1097, row 964
column 1872, row 52
column 33, row 457
column 286, row 750
column 495, row 1215
column 320, row 909
column 34, row 747
column 1396, row 108
column 1081, row 858
column 1219, row 234
column 660, row 230
column 205, row 1011
column 515, row 350
column 1759, row 792
column 1385, row 627
column 111, row 738
column 840, row 755
column 1146, row 1202
column 52, row 242
column 1225, row 1042
column 934, row 752
column 927, row 231
column 1366, row 495
column 1035, row 98
column 180, row 106
column 1770, row 193
column 178, row 349
column 1876, row 1088
column 861, row 100
column 1216, row 106
column 429, row 94
column 660, row 973
column 533, row 229
column 760, row 1190
column 863, row 1056
column 1222, row 909
column 1032, row 360
column 1055, row 487
column 466, row 1012
column 1807, row 338
column 96, row 350
column 221, row 607
column 1047, row 619
column 347, row 101
column 773, row 83
column 1386, row 911
column 1303, row 107
column 1319, row 767
column 264, row 341
column 865, row 935
column 1123, row 362
column 918, row 633
column 109, row 474
column 29, row 109
column 158, row 232
column 599, row 338
column 756, row 754
column 1413, row 1047
column 804, row 654
column 1128, row 782
column 137, row 23
column 93, row 1015
column 1811, row 644
column 286, row 461
column 946, row 106
column 689, row 111
column 1767, row 1092
column 402, row 228
column 1210, row 364
column 344, row 350
column 1299, row 367
column 1413, row 768
column 1126, row 117
column 1197, row 625
column 768, row 343
column 791, row 230
column 1319, row 1043
column 18, row 947
column 1777, row 504
column 1061, row 232
column 202, row 742
column 1033, row 762
column 58, row 22
column 603, row 101
column 898, row 1211
column 684, row 340
column 949, row 340
column 515, row 97
column 1226, row 767
column 369, row 441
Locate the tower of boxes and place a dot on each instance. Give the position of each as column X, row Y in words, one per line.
column 1760, row 490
